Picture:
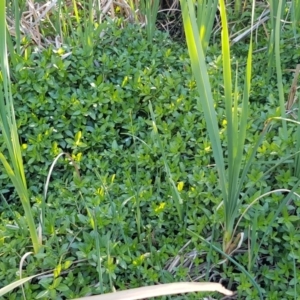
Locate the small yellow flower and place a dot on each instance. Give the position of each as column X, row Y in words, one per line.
column 160, row 207
column 180, row 186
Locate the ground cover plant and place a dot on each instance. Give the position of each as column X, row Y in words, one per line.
column 129, row 205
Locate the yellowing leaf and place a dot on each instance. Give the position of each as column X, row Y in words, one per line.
column 67, row 264
column 57, row 271
column 78, row 137
column 113, row 178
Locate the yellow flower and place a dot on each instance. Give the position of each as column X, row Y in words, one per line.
column 160, row 207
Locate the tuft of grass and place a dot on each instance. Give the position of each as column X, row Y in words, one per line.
column 231, row 178
column 206, row 12
column 14, row 164
column 150, row 9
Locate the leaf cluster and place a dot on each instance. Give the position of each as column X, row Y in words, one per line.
column 95, row 107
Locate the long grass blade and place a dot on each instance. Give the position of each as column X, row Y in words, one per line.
column 14, row 165
column 283, row 204
column 206, row 11
column 295, row 15
column 15, row 284
column 175, row 194
column 161, row 290
column 240, row 267
column 278, row 66
column 205, row 102
column 236, row 125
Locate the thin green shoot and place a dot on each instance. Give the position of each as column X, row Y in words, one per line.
column 98, row 10
column 274, row 5
column 133, row 10
column 201, row 75
column 137, row 184
column 7, row 206
column 58, row 20
column 98, row 251
column 17, row 17
column 175, row 194
column 296, row 154
column 257, row 199
column 240, row 267
column 113, row 206
column 14, row 165
column 295, row 269
column 237, row 7
column 109, row 262
column 236, row 127
column 76, row 14
column 283, row 204
column 206, row 11
column 252, row 240
column 21, row 266
column 136, row 199
column 150, row 9
column 278, row 66
column 88, row 25
column 297, row 159
column 231, row 180
column 295, row 16
column 46, row 186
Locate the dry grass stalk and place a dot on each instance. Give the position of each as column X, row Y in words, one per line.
column 33, row 18
column 292, row 99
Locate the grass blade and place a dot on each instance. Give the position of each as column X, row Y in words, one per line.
column 206, row 102
column 162, row 289
column 15, row 284
column 278, row 66
column 240, row 267
column 14, row 166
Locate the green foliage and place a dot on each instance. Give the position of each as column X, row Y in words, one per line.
column 97, row 110
column 123, row 211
